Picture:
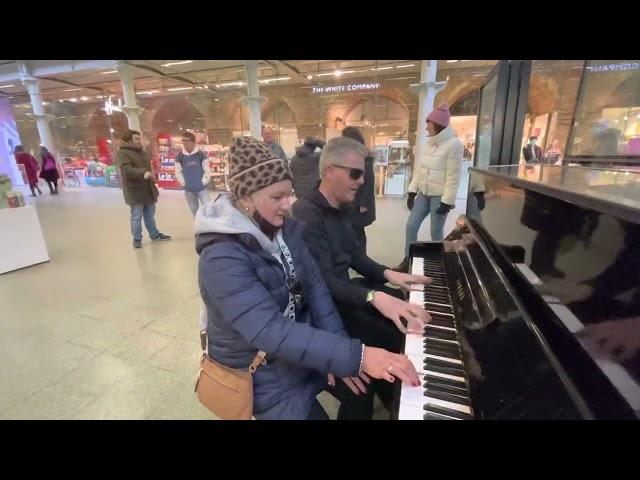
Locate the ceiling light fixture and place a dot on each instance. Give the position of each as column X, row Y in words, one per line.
column 109, row 72
column 182, row 62
column 178, row 89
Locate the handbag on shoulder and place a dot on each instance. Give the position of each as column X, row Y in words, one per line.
column 227, row 392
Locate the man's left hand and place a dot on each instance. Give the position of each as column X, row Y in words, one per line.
column 405, row 280
column 617, row 340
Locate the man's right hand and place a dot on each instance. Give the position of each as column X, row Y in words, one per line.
column 147, row 175
column 411, row 198
column 395, row 309
column 381, row 364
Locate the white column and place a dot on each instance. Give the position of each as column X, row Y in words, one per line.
column 131, row 108
column 426, row 90
column 39, row 113
column 253, row 99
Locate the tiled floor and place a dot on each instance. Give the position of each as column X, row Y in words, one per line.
column 104, row 331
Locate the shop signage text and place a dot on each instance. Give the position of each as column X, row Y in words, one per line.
column 353, row 87
column 614, row 67
column 109, row 106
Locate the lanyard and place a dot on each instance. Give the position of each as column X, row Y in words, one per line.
column 291, row 308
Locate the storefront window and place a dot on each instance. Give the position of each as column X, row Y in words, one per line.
column 553, row 89
column 607, row 119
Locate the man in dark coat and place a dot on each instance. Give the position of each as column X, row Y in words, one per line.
column 139, row 189
column 305, row 167
column 363, row 212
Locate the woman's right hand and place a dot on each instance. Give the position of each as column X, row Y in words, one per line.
column 382, row 364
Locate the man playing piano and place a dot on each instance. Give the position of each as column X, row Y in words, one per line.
column 371, row 311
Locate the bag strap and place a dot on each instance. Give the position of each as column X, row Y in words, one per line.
column 257, row 361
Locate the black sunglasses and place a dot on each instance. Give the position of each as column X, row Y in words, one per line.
column 354, row 173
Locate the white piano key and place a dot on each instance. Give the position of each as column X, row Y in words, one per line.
column 426, row 335
column 413, row 395
column 445, row 404
column 416, row 298
column 417, row 359
column 444, row 359
column 410, row 412
column 414, row 344
column 443, row 375
column 417, row 266
column 439, row 304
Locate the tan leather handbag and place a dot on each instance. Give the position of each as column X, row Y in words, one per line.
column 227, row 392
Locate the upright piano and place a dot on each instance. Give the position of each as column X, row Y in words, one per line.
column 517, row 287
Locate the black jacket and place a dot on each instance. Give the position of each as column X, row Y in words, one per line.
column 305, row 166
column 330, row 238
column 528, row 154
column 365, row 197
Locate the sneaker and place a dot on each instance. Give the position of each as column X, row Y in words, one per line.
column 162, row 236
column 137, row 244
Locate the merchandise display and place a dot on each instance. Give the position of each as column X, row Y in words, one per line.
column 165, row 163
column 9, row 198
column 218, row 164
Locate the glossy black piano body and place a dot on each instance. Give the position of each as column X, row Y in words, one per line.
column 522, row 355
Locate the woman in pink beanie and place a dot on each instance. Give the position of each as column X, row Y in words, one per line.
column 435, row 179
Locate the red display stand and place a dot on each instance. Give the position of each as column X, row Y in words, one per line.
column 165, row 164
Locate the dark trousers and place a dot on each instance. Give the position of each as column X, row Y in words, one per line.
column 317, row 412
column 352, row 406
column 374, row 330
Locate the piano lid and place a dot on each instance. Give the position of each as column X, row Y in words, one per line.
column 573, row 255
column 612, row 191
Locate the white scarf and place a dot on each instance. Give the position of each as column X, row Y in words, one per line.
column 194, row 151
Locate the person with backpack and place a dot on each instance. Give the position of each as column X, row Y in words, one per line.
column 193, row 172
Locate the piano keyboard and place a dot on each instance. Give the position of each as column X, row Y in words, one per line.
column 436, row 355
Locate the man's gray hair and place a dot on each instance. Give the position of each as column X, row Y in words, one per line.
column 335, row 150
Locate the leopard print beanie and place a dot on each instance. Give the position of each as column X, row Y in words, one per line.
column 253, row 166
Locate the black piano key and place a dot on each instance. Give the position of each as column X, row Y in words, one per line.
column 441, row 346
column 430, row 366
column 446, row 411
column 440, row 387
column 443, row 363
column 439, row 333
column 442, row 321
column 443, row 381
column 436, row 293
column 437, row 308
column 435, row 416
column 447, row 397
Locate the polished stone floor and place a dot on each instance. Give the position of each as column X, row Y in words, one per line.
column 104, row 331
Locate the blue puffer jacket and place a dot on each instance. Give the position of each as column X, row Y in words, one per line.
column 242, row 283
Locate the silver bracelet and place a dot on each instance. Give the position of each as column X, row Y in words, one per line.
column 361, row 358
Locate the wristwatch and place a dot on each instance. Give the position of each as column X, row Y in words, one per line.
column 370, row 295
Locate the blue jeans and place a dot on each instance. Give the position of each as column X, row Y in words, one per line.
column 195, row 199
column 149, row 214
column 422, row 207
